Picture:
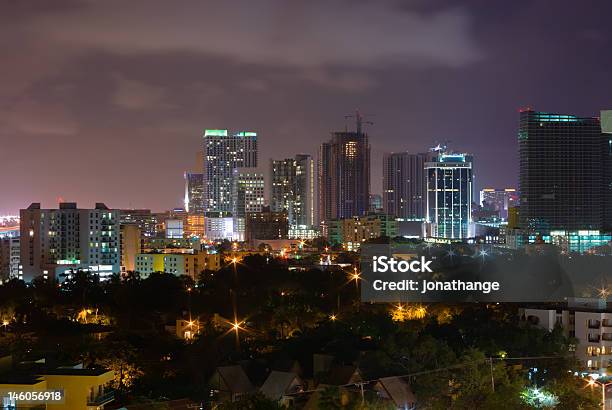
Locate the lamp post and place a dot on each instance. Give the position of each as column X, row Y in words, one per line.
column 603, row 385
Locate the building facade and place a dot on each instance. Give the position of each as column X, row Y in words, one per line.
column 344, row 175
column 223, row 153
column 56, row 241
column 590, row 325
column 266, row 225
column 10, row 258
column 449, row 195
column 561, row 171
column 220, row 227
column 293, row 188
column 405, row 185
column 606, row 129
column 146, row 221
column 248, row 192
column 352, row 232
column 131, row 245
column 177, row 263
column 194, row 193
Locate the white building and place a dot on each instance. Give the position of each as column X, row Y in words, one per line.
column 449, row 195
column 9, row 258
column 223, row 153
column 588, row 322
column 55, row 241
column 219, row 228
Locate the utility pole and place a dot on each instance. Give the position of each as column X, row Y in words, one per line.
column 362, row 394
column 492, row 379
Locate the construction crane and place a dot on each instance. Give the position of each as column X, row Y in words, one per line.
column 359, row 120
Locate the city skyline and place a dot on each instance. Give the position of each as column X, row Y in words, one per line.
column 140, row 98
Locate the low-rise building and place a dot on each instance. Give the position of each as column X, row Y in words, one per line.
column 303, row 232
column 177, row 263
column 351, row 232
column 266, row 225
column 582, row 241
column 147, row 263
column 586, row 320
column 81, row 388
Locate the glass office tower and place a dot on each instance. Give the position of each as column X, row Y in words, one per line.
column 449, row 195
column 561, row 171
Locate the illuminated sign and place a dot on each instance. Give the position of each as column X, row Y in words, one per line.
column 215, row 133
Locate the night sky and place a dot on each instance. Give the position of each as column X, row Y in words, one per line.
column 106, row 101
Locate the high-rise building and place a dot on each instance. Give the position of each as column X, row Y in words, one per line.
column 405, row 185
column 344, row 175
column 248, row 192
column 9, row 258
column 56, row 241
column 376, row 204
column 606, row 129
column 194, row 193
column 561, row 171
column 248, row 196
column 499, row 200
column 449, row 195
column 223, row 153
column 292, row 189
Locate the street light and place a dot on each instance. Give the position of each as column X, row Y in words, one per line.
column 603, row 385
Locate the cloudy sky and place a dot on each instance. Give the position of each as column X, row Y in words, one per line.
column 106, row 101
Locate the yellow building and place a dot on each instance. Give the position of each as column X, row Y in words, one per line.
column 513, row 218
column 19, row 384
column 147, row 263
column 177, row 263
column 191, row 264
column 83, row 389
column 131, row 245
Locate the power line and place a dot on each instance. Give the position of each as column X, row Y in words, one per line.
column 458, row 365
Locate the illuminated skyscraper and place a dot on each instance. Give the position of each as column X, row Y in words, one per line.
column 344, row 175
column 223, row 153
column 404, row 185
column 293, row 189
column 449, row 195
column 561, row 172
column 194, row 193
